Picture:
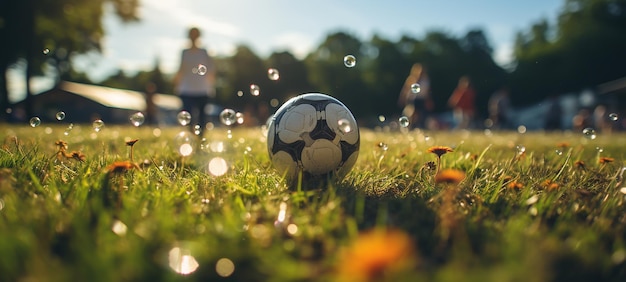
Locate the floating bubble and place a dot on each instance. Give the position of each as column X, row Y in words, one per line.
column 613, row 116
column 599, row 149
column 228, row 117
column 181, row 261
column 34, row 121
column 273, row 74
column 274, row 103
column 97, row 125
column 217, row 166
column 201, row 69
column 521, row 129
column 416, row 88
column 255, row 90
column 344, row 125
column 239, row 118
column 185, row 143
column 383, row 146
column 381, row 118
column 349, row 61
column 197, row 129
column 404, row 121
column 137, row 119
column 60, row 115
column 520, row 149
column 184, row 118
column 589, row 133
column 240, row 93
column 224, row 267
column 68, row 129
column 558, row 152
column 45, row 51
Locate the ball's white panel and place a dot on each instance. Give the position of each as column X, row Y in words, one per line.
column 336, row 112
column 321, row 157
column 347, row 165
column 315, row 96
column 271, row 132
column 295, row 121
column 284, row 164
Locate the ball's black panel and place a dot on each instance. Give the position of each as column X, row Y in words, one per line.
column 322, row 131
column 348, row 149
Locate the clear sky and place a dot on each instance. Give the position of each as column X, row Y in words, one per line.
column 298, row 26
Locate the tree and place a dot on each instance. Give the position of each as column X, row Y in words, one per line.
column 50, row 32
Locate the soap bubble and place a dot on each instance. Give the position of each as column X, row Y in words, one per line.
column 60, row 115
column 349, row 61
column 273, row 74
column 97, row 125
column 34, row 121
column 404, row 121
column 416, row 88
column 137, row 119
column 184, row 118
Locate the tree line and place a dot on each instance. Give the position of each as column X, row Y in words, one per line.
column 580, row 49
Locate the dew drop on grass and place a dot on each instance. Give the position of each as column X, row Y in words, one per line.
column 97, row 125
column 349, row 61
column 273, row 74
column 201, row 69
column 255, row 90
column 60, row 115
column 344, row 125
column 558, row 152
column 137, row 119
column 416, row 88
column 613, row 116
column 184, row 118
column 68, row 129
column 34, row 121
column 228, row 117
column 404, row 121
column 589, row 133
column 520, row 149
column 599, row 149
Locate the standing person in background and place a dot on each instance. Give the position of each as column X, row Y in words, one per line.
column 416, row 101
column 462, row 102
column 151, row 108
column 195, row 80
column 499, row 107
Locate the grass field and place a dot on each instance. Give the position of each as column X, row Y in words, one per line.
column 528, row 207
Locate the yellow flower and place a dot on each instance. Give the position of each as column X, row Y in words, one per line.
column 375, row 254
column 439, row 150
column 451, row 176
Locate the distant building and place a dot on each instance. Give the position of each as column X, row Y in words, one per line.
column 83, row 103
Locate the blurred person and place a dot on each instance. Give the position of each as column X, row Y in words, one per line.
column 601, row 120
column 582, row 120
column 417, row 105
column 499, row 107
column 554, row 115
column 462, row 101
column 195, row 80
column 151, row 108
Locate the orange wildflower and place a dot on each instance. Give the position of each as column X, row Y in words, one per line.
column 605, row 160
column 375, row 255
column 132, row 142
column 121, row 167
column 579, row 164
column 450, row 176
column 515, row 185
column 77, row 155
column 439, row 150
column 549, row 184
column 563, row 145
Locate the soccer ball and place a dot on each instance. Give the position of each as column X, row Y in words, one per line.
column 313, row 134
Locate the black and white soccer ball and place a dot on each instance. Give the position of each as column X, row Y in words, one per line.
column 313, row 134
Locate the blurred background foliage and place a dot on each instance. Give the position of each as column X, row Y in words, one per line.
column 580, row 49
